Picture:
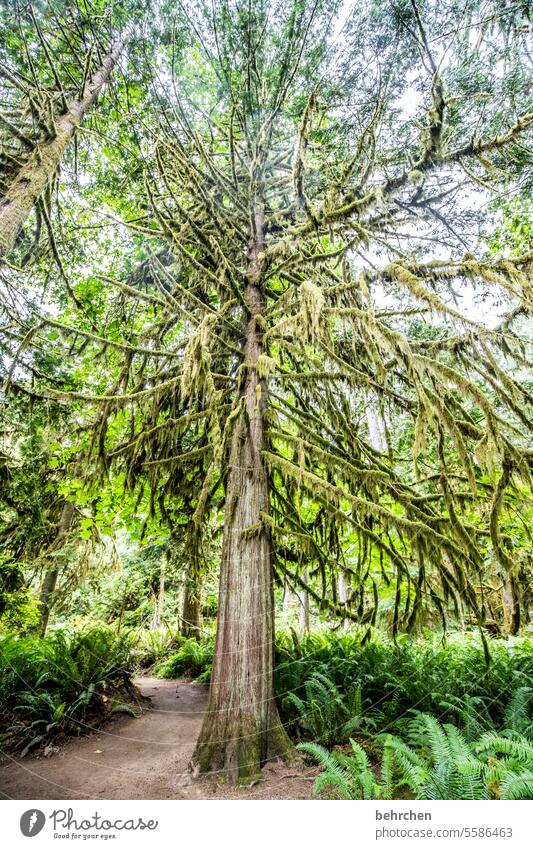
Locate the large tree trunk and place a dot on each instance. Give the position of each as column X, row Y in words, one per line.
column 242, row 729
column 33, row 177
column 191, row 610
column 50, row 577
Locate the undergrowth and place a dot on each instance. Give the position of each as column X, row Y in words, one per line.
column 64, row 684
column 432, row 761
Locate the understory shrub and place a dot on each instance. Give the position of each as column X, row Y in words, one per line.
column 192, row 660
column 435, row 761
column 65, row 683
column 448, row 679
column 153, row 646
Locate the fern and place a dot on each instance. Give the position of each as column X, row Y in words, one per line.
column 518, row 715
column 350, row 776
column 517, row 785
column 121, row 707
column 435, row 762
column 324, row 713
column 56, row 685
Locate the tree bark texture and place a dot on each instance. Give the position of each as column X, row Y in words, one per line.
column 33, row 177
column 242, row 729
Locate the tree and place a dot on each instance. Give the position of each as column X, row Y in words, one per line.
column 299, row 207
column 42, row 120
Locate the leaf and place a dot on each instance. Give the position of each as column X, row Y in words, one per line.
column 31, row 745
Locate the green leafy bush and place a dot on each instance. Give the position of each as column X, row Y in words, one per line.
column 63, row 683
column 152, row 647
column 192, row 660
column 324, row 713
column 434, row 762
column 448, row 679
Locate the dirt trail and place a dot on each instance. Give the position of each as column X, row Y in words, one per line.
column 144, row 758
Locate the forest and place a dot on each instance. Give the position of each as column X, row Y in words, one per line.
column 266, row 399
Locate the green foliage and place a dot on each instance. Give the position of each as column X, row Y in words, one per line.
column 192, row 660
column 122, row 707
column 19, row 605
column 324, row 713
column 518, row 714
column 434, row 762
column 443, row 678
column 349, row 774
column 152, row 647
column 514, row 232
column 509, row 763
column 62, row 684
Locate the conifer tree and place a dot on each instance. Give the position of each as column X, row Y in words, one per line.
column 296, row 231
column 51, row 79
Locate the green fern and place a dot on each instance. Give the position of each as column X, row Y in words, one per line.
column 326, row 714
column 518, row 715
column 517, row 785
column 349, row 775
column 435, row 762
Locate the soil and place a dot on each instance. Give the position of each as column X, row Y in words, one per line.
column 143, row 758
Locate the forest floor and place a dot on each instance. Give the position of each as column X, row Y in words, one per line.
column 143, row 758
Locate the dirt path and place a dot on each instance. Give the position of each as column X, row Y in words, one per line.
column 144, row 758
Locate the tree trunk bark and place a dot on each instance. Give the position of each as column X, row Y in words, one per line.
column 33, row 177
column 304, row 614
column 342, row 592
column 45, row 599
column 376, row 429
column 50, row 577
column 159, row 599
column 242, row 729
column 511, row 606
column 190, row 617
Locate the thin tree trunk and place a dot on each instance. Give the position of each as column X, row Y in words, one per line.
column 47, row 590
column 50, row 578
column 242, row 729
column 304, row 615
column 342, row 592
column 191, row 610
column 33, row 177
column 159, row 599
column 376, row 429
column 161, row 593
column 511, row 606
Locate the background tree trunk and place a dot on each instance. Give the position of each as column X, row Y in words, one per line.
column 376, row 429
column 45, row 599
column 33, row 177
column 511, row 606
column 159, row 599
column 242, row 729
column 191, row 610
column 50, row 577
column 304, row 613
column 342, row 592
